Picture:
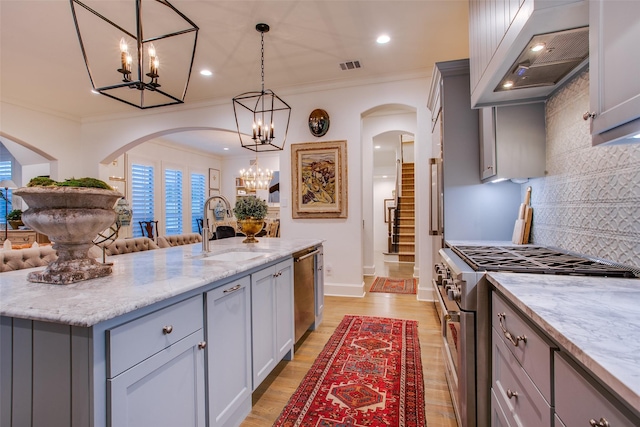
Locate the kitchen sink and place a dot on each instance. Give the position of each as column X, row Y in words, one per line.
column 230, row 256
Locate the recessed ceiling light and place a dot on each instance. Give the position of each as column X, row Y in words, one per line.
column 538, row 47
column 508, row 84
column 383, row 39
column 376, row 147
column 206, row 73
column 226, row 148
column 384, row 176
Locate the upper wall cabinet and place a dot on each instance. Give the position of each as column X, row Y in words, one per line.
column 614, row 71
column 500, row 33
column 512, row 142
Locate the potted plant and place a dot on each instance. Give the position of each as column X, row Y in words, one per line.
column 250, row 212
column 71, row 213
column 15, row 218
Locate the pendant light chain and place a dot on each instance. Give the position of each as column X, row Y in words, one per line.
column 262, row 58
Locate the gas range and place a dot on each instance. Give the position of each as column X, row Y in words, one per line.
column 539, row 260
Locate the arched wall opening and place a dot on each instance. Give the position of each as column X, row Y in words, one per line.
column 380, row 125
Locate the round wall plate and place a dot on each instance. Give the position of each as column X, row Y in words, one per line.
column 318, row 122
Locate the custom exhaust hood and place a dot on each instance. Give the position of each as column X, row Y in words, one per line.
column 505, row 69
column 547, row 59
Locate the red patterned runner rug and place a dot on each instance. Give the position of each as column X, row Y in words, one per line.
column 394, row 286
column 368, row 374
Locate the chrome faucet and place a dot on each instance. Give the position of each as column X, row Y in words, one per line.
column 205, row 219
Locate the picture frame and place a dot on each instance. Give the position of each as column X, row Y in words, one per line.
column 214, row 179
column 319, row 180
column 389, row 205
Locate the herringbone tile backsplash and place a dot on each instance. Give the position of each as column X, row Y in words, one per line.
column 589, row 201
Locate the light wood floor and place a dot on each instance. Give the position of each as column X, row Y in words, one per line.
column 273, row 394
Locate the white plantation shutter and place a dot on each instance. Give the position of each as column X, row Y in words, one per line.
column 198, row 196
column 141, row 196
column 173, row 201
column 5, row 173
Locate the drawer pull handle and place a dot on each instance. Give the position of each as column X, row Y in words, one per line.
column 167, row 329
column 511, row 394
column 202, row 345
column 235, row 288
column 601, row 423
column 514, row 340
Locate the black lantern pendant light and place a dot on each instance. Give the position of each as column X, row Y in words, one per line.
column 260, row 116
column 136, row 76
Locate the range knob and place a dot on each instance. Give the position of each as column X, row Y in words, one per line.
column 454, row 294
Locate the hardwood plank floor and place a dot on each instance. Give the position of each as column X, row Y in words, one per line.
column 274, row 393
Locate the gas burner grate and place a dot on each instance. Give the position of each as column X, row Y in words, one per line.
column 537, row 259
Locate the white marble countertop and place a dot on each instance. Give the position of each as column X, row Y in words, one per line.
column 595, row 319
column 139, row 279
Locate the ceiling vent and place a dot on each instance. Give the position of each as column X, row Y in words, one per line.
column 547, row 59
column 349, row 65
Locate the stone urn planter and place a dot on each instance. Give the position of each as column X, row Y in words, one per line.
column 71, row 217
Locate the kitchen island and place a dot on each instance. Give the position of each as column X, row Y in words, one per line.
column 591, row 326
column 165, row 340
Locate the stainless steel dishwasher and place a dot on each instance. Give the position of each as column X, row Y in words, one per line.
column 304, row 290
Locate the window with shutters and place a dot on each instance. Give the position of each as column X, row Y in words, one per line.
column 5, row 205
column 173, row 201
column 198, row 196
column 141, row 196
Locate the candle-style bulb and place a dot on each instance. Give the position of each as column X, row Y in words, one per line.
column 152, row 51
column 124, row 48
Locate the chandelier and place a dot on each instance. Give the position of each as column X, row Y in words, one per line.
column 256, row 113
column 255, row 178
column 122, row 50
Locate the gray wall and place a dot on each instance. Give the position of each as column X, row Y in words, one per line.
column 589, row 202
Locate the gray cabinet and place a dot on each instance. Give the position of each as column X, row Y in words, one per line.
column 614, row 70
column 580, row 401
column 155, row 367
column 272, row 322
column 512, row 142
column 521, row 368
column 228, row 314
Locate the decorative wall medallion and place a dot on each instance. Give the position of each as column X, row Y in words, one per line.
column 318, row 122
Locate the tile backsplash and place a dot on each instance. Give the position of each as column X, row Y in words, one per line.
column 589, row 201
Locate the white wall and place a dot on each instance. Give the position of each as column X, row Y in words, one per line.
column 97, row 142
column 382, row 189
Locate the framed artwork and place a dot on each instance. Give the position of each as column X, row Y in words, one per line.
column 319, row 179
column 214, row 179
column 389, row 205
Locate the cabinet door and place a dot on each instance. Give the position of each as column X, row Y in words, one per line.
column 613, row 67
column 285, row 330
column 229, row 351
column 165, row 390
column 486, row 121
column 263, row 324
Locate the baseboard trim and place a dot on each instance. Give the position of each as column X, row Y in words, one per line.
column 344, row 290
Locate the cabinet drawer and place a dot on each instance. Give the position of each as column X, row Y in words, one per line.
column 517, row 394
column 141, row 338
column 498, row 417
column 580, row 399
column 531, row 349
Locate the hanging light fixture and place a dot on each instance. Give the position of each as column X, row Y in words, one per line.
column 136, row 76
column 255, row 178
column 256, row 113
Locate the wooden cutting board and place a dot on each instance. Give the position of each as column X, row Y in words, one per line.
column 528, row 219
column 520, row 225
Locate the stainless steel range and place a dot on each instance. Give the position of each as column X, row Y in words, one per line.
column 462, row 305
